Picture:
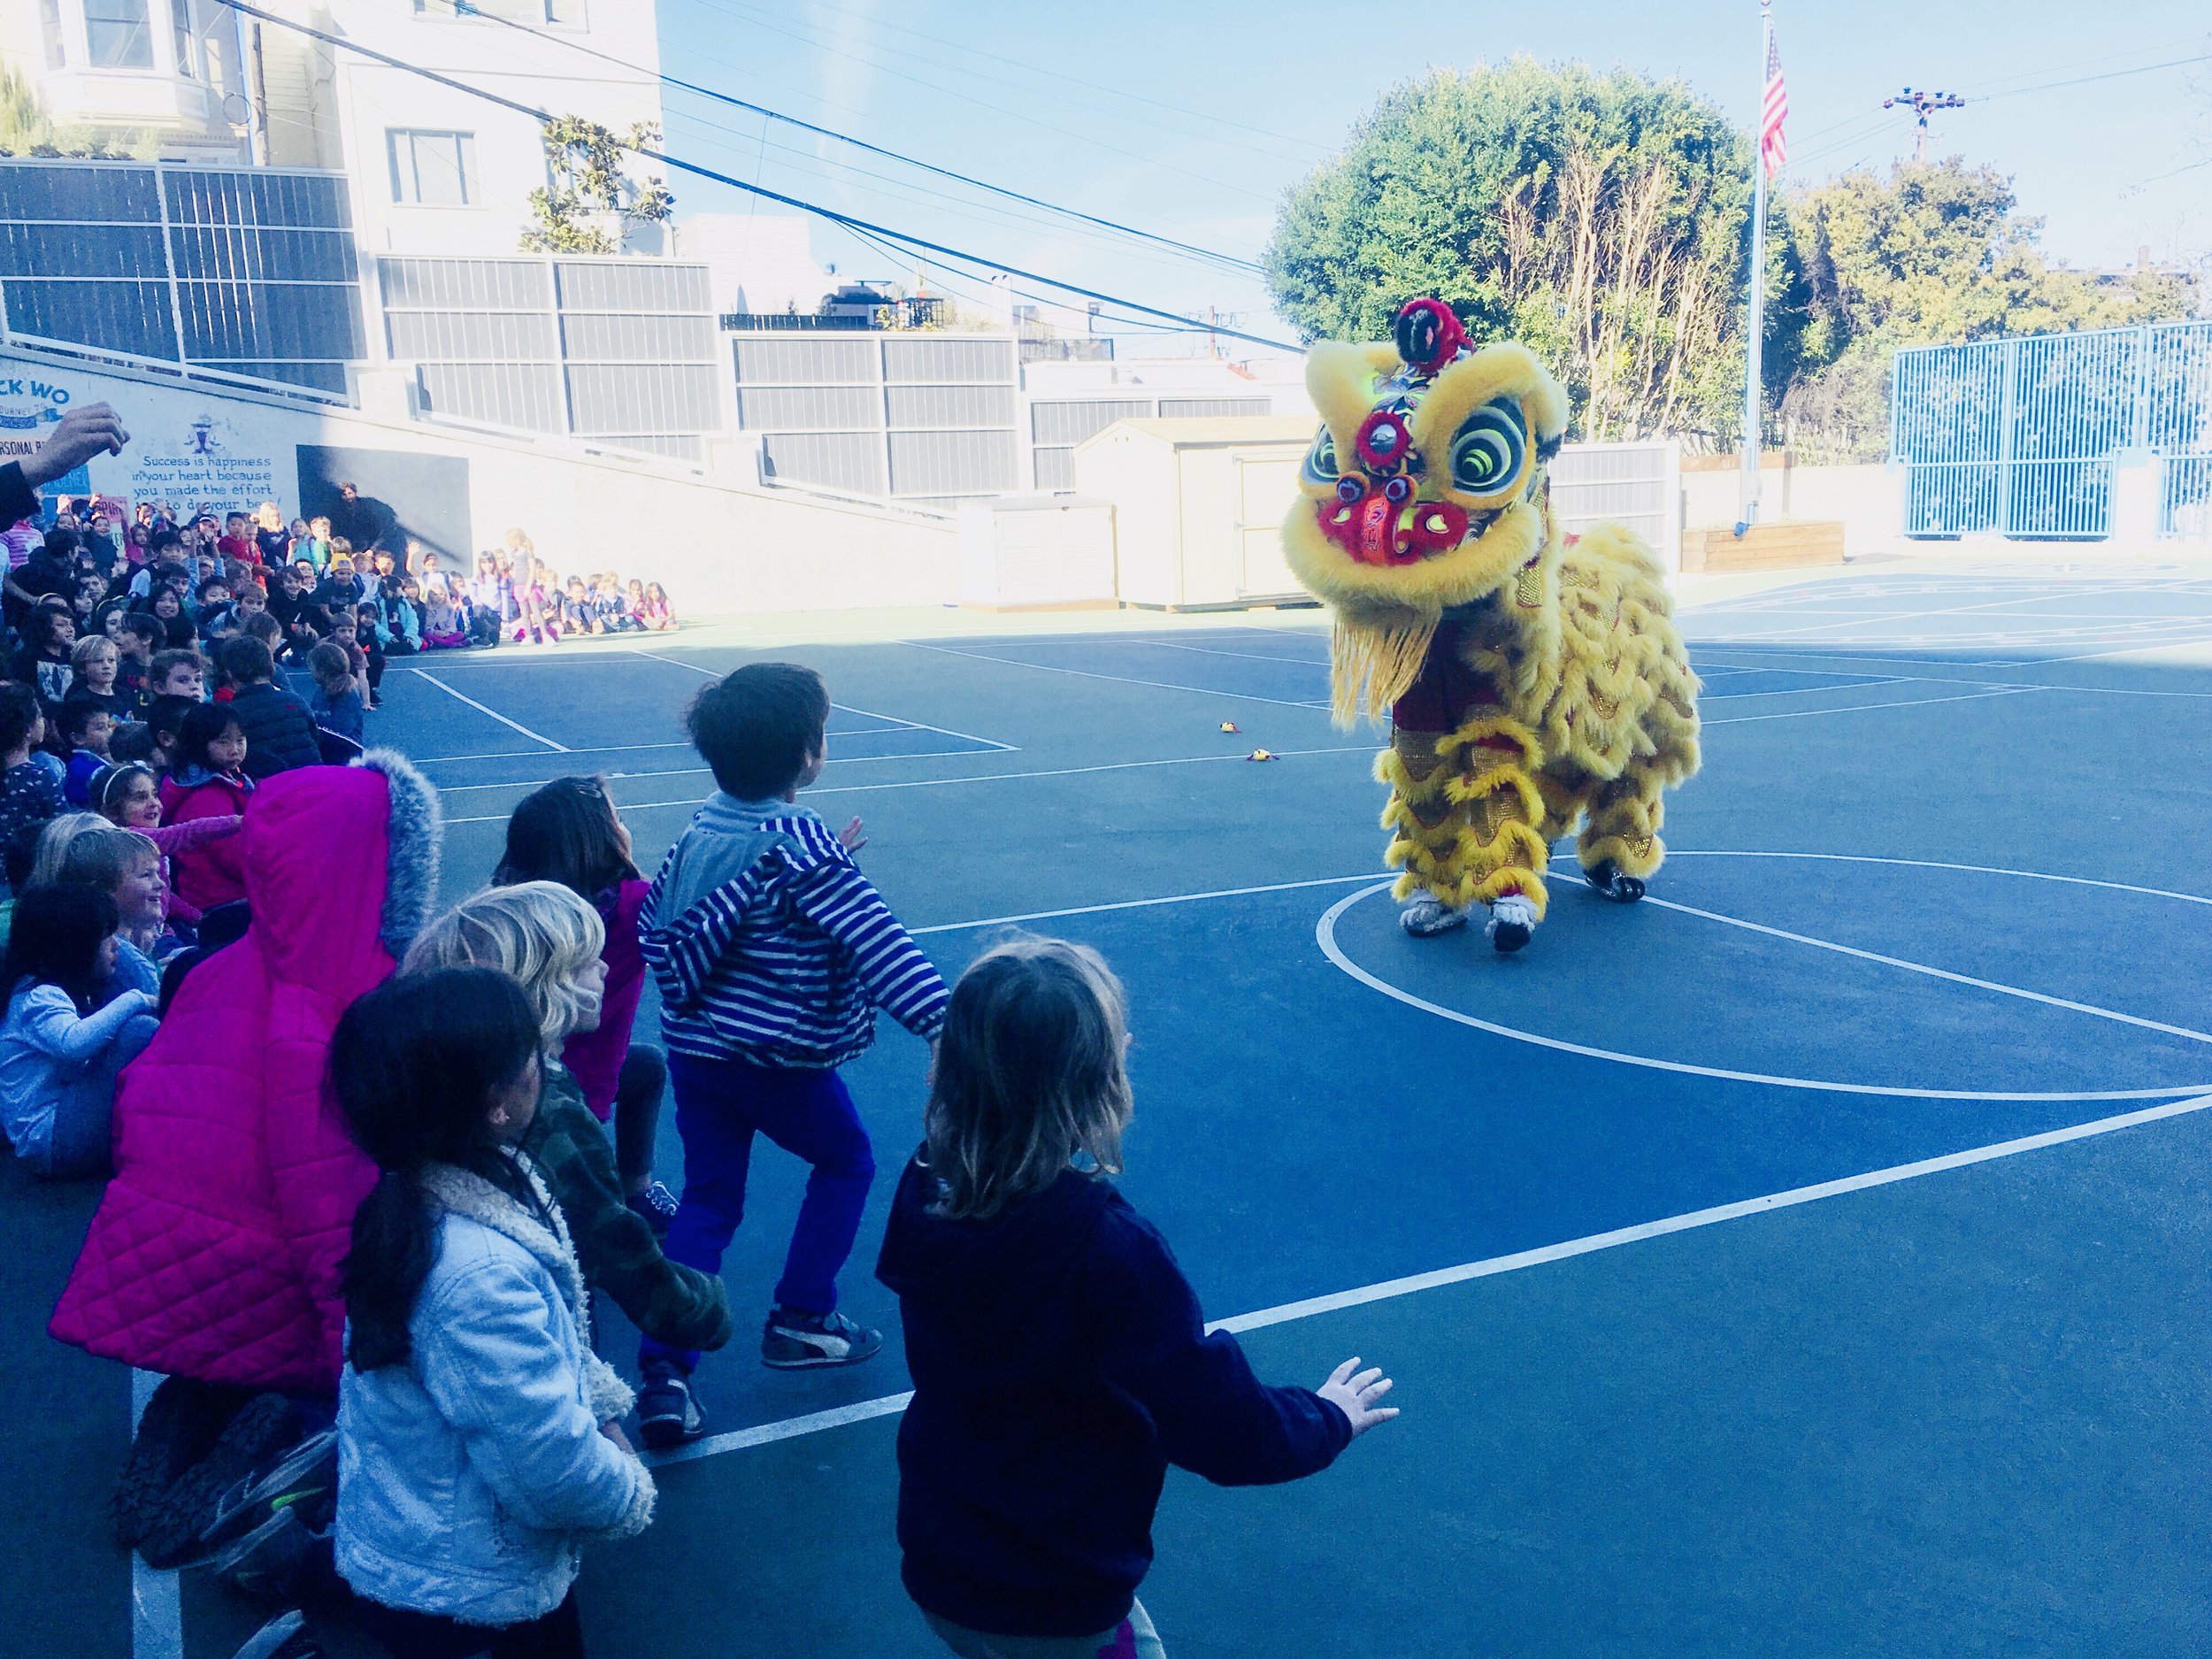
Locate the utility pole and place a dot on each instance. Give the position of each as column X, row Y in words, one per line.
column 1924, row 103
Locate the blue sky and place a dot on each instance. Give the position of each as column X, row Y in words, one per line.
column 1191, row 120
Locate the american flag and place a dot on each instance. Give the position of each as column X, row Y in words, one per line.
column 1773, row 111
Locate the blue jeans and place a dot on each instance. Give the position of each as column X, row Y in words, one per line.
column 84, row 1110
column 720, row 1105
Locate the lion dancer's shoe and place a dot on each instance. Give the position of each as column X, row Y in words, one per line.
column 1620, row 847
column 1468, row 822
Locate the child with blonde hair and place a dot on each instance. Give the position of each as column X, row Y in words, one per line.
column 1029, row 1470
column 549, row 939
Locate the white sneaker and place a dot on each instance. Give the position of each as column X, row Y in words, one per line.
column 1428, row 914
column 1512, row 922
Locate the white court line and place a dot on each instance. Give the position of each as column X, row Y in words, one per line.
column 981, row 777
column 1856, row 682
column 1140, row 904
column 1934, row 973
column 513, row 725
column 942, row 731
column 1490, row 1267
column 1936, row 662
column 1863, row 707
column 1124, row 679
column 532, row 754
column 1325, row 934
column 157, row 1601
column 1937, row 863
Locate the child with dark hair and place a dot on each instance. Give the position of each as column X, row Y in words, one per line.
column 568, row 831
column 49, row 633
column 335, row 705
column 85, row 725
column 29, row 793
column 280, row 733
column 1029, row 1470
column 60, row 1051
column 137, row 638
column 478, row 1432
column 165, row 723
column 178, row 672
column 208, row 781
column 772, row 953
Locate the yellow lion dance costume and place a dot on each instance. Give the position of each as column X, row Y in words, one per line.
column 1532, row 679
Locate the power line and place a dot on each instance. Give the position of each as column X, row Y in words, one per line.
column 744, row 16
column 467, row 8
column 1060, row 74
column 848, row 221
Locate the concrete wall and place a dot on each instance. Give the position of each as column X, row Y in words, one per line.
column 1867, row 500
column 718, row 547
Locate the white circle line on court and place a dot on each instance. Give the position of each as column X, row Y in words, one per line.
column 1325, row 934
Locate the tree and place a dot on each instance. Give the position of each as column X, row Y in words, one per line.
column 1931, row 253
column 1600, row 218
column 591, row 204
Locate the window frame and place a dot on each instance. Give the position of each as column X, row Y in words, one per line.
column 465, row 166
column 143, row 28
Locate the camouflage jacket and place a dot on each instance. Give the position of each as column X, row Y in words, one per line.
column 671, row 1304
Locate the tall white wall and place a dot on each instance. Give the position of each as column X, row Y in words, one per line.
column 719, row 549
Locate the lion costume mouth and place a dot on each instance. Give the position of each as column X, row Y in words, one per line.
column 1373, row 529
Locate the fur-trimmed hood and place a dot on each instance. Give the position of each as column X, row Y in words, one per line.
column 460, row 1193
column 215, row 1252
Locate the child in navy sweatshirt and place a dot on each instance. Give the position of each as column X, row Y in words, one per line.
column 771, row 952
column 1060, row 1361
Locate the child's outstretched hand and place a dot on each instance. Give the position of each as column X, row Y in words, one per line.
column 1356, row 1395
column 852, row 838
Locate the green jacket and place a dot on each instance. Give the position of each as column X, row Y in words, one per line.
column 671, row 1304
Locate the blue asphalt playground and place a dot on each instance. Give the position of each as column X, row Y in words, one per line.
column 1940, row 888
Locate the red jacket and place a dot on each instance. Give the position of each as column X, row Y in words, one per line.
column 594, row 1057
column 210, row 874
column 216, row 1248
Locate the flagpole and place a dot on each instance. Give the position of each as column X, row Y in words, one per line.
column 1754, row 328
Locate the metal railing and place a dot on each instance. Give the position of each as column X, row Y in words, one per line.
column 2023, row 437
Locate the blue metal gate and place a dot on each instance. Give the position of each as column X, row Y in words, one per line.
column 2021, row 437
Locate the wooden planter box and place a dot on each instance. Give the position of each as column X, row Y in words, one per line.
column 1764, row 547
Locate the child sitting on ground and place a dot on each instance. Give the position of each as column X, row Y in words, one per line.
column 477, row 1437
column 61, row 1050
column 129, row 796
column 178, row 673
column 126, row 867
column 336, row 702
column 98, row 660
column 772, row 953
column 568, row 831
column 652, row 608
column 29, row 793
column 208, row 782
column 549, row 940
column 85, row 727
column 442, row 627
column 1029, row 1470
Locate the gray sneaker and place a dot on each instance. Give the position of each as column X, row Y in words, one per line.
column 1427, row 916
column 807, row 1341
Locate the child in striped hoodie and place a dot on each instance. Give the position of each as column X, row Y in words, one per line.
column 771, row 952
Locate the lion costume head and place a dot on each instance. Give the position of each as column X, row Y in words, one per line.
column 1425, row 488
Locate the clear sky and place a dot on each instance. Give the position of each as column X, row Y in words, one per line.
column 1190, row 119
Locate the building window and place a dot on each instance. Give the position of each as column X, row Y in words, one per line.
column 180, row 33
column 433, row 169
column 49, row 26
column 118, row 34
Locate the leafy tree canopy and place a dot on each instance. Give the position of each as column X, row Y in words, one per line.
column 1603, row 218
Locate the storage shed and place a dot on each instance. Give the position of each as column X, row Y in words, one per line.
column 1198, row 506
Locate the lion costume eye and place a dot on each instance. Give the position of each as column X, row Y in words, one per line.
column 1321, row 467
column 1489, row 450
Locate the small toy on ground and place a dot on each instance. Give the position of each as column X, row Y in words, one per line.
column 1231, row 725
column 1260, row 754
column 1534, row 681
